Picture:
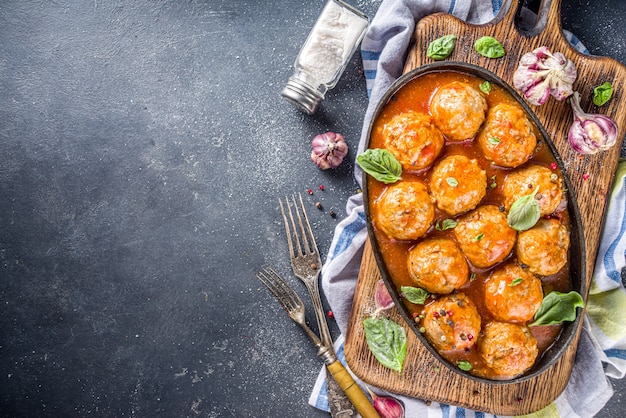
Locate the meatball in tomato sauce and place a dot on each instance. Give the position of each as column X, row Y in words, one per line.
column 458, row 184
column 525, row 181
column 405, row 210
column 513, row 294
column 458, row 110
column 413, row 139
column 543, row 248
column 438, row 265
column 485, row 236
column 508, row 349
column 451, row 322
column 507, row 138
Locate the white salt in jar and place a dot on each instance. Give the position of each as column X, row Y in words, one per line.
column 325, row 54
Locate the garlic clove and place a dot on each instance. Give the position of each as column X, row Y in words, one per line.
column 538, row 93
column 590, row 133
column 382, row 298
column 387, row 406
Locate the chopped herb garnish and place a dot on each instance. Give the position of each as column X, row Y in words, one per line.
column 516, row 281
column 493, row 140
column 452, row 182
column 485, row 87
column 464, row 365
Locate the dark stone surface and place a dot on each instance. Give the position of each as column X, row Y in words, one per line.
column 145, row 146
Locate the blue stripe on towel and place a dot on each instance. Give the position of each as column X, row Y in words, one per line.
column 615, row 353
column 495, row 6
column 370, row 55
column 348, row 233
column 451, row 8
column 609, row 257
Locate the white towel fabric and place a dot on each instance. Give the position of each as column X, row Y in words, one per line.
column 602, row 346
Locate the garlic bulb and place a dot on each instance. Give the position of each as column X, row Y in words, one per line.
column 590, row 133
column 329, row 149
column 541, row 73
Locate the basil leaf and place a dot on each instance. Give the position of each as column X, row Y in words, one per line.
column 387, row 341
column 558, row 307
column 464, row 365
column 441, row 48
column 489, row 47
column 524, row 212
column 415, row 295
column 446, row 224
column 602, row 94
column 516, row 281
column 380, row 164
column 485, row 87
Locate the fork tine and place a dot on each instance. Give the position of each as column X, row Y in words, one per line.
column 292, row 252
column 287, row 297
column 309, row 231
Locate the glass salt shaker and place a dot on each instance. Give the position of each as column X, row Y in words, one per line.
column 325, row 54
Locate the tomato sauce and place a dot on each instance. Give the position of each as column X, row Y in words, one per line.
column 416, row 96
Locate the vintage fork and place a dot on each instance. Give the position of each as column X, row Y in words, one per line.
column 305, row 259
column 291, row 302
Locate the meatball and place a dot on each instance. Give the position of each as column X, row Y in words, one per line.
column 458, row 184
column 508, row 349
column 405, row 210
column 513, row 294
column 543, row 248
column 458, row 110
column 484, row 236
column 413, row 140
column 438, row 265
column 451, row 322
column 524, row 181
column 507, row 137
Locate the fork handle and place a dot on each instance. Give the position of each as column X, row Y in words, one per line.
column 352, row 390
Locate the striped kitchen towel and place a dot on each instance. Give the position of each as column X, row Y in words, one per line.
column 602, row 346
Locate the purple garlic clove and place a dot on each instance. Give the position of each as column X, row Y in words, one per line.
column 329, row 149
column 590, row 133
column 382, row 298
column 387, row 406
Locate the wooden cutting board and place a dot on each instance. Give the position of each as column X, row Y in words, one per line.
column 591, row 176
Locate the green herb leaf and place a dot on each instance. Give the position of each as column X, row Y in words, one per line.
column 415, row 295
column 472, row 277
column 441, row 48
column 445, row 224
column 493, row 183
column 387, row 341
column 452, row 182
column 602, row 94
column 493, row 140
column 558, row 307
column 479, row 237
column 489, row 47
column 485, row 87
column 380, row 164
column 464, row 365
column 516, row 281
column 524, row 212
